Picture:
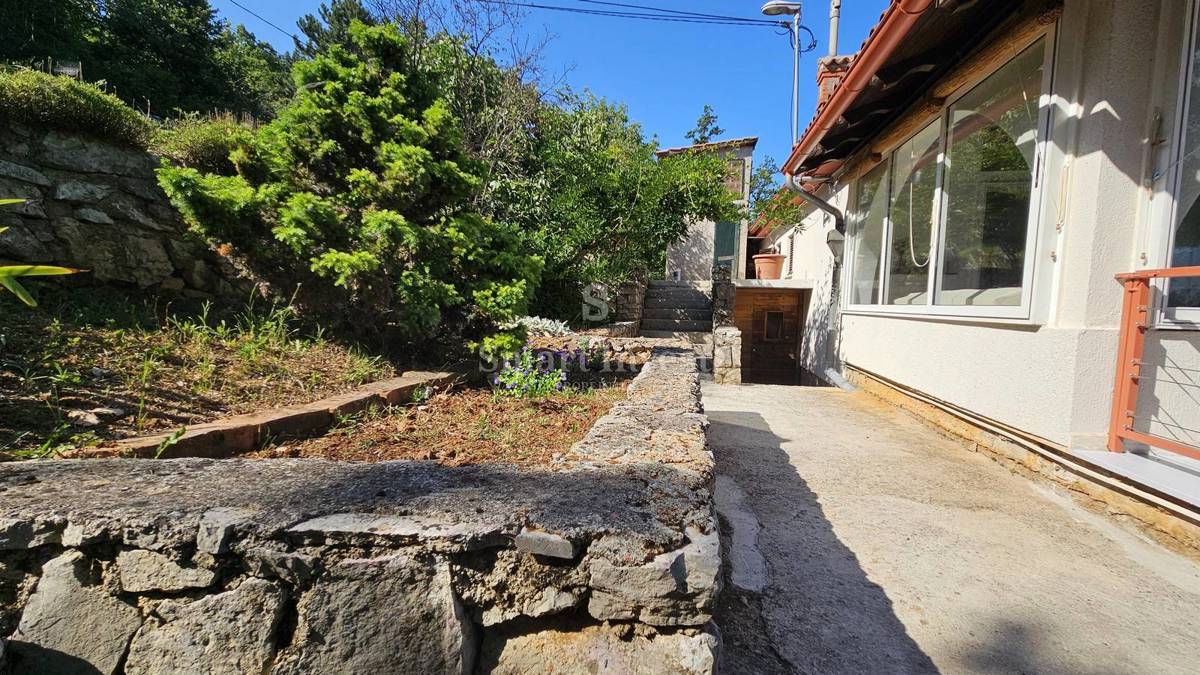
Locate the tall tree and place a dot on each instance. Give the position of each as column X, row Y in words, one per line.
column 706, row 127
column 155, row 54
column 331, row 26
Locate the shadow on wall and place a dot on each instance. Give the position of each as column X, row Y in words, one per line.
column 819, row 613
column 820, row 344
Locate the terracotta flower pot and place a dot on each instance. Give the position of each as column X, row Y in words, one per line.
column 768, row 265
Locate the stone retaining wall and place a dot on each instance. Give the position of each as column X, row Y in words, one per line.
column 607, row 561
column 628, row 303
column 98, row 207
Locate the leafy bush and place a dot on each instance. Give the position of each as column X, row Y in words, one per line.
column 203, row 143
column 597, row 205
column 30, row 97
column 361, row 183
column 528, row 377
column 536, row 325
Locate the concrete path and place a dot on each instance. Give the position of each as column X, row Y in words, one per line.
column 864, row 542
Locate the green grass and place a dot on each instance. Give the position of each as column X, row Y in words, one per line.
column 35, row 98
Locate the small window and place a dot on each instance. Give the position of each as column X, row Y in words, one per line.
column 773, row 327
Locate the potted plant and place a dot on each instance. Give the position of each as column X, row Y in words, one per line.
column 768, row 265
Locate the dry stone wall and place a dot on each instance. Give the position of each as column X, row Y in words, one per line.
column 608, row 559
column 98, row 207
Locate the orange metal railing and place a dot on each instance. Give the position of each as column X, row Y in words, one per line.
column 1137, row 314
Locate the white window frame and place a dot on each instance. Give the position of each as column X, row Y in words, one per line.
column 1166, row 184
column 1033, row 266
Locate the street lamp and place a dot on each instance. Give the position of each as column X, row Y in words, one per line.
column 785, row 8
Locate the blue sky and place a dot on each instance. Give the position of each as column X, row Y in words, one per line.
column 664, row 72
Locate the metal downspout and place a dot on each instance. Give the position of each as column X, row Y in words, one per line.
column 839, row 220
column 839, row 227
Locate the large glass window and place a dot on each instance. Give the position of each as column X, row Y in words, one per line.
column 990, row 149
column 914, row 192
column 959, row 202
column 870, row 209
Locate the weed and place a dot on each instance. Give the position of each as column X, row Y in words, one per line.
column 149, row 366
column 528, row 378
column 169, row 441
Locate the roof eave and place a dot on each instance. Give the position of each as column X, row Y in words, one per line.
column 893, row 27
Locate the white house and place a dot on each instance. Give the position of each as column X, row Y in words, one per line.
column 998, row 164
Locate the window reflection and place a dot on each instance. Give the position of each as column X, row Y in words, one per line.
column 912, row 214
column 870, row 207
column 988, row 185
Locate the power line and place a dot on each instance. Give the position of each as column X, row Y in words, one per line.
column 699, row 15
column 730, row 21
column 260, row 18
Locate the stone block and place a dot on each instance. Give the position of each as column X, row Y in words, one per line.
column 71, row 625
column 76, row 153
column 676, row 588
column 33, row 207
column 21, row 244
column 90, row 215
column 80, row 191
column 148, row 261
column 23, row 173
column 231, row 632
column 600, row 649
column 140, row 571
column 722, row 356
column 19, row 533
column 295, row 568
column 545, row 543
column 396, row 614
column 127, row 208
column 217, row 527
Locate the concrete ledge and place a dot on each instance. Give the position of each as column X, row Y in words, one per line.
column 295, row 565
column 241, row 433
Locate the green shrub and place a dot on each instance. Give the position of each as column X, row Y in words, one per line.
column 203, row 143
column 361, row 187
column 35, row 98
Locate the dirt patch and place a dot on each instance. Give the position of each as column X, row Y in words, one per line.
column 94, row 365
column 468, row 426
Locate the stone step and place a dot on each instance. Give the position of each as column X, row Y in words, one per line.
column 671, row 283
column 676, row 326
column 676, row 293
column 701, row 302
column 696, row 338
column 677, row 313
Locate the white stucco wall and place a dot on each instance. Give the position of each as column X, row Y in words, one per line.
column 1051, row 376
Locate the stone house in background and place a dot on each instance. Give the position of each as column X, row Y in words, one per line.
column 997, row 164
column 708, row 243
